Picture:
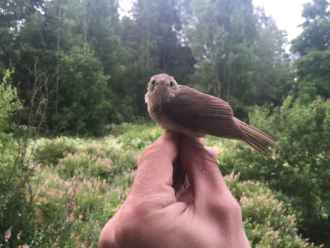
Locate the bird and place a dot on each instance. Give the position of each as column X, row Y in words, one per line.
column 182, row 109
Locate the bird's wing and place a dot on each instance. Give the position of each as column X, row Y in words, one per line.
column 199, row 112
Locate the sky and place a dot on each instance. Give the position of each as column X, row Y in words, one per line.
column 287, row 13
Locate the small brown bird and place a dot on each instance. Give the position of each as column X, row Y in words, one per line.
column 180, row 108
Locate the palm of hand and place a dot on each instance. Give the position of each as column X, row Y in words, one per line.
column 155, row 215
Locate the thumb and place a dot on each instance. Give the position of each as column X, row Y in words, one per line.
column 155, row 167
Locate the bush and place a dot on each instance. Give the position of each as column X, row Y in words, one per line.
column 9, row 102
column 74, row 199
column 135, row 136
column 268, row 221
column 314, row 74
column 123, row 161
column 71, row 213
column 84, row 165
column 16, row 211
column 72, row 209
column 299, row 166
column 49, row 152
column 108, row 158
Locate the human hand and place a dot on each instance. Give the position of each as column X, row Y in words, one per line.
column 202, row 215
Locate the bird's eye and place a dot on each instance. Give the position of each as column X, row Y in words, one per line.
column 171, row 83
column 153, row 82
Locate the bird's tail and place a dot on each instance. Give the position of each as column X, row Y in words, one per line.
column 256, row 138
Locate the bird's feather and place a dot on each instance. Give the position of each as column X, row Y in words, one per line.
column 201, row 113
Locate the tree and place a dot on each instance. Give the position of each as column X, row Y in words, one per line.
column 12, row 17
column 159, row 25
column 229, row 48
column 313, row 49
column 221, row 35
column 43, row 44
column 273, row 74
column 240, row 52
column 83, row 104
column 153, row 44
column 100, row 29
column 316, row 28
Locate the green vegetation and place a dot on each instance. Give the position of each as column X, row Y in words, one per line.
column 268, row 221
column 299, row 167
column 88, row 67
column 15, row 208
column 73, row 77
column 75, row 191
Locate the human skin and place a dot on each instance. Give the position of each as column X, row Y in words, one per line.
column 203, row 214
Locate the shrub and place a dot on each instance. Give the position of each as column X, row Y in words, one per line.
column 50, row 151
column 84, row 165
column 123, row 162
column 314, row 74
column 9, row 102
column 268, row 221
column 16, row 212
column 137, row 136
column 299, row 166
column 74, row 199
column 71, row 213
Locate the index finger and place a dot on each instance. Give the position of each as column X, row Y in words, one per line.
column 202, row 168
column 155, row 167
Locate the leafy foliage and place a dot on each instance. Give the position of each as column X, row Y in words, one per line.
column 82, row 69
column 9, row 102
column 15, row 207
column 240, row 53
column 313, row 47
column 73, row 200
column 314, row 73
column 89, row 67
column 268, row 222
column 48, row 152
column 299, row 167
column 316, row 34
column 82, row 104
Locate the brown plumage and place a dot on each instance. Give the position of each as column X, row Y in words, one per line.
column 183, row 109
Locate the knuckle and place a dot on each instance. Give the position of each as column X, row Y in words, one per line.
column 236, row 208
column 232, row 206
column 106, row 242
column 151, row 149
column 225, row 206
column 106, row 239
column 157, row 149
column 131, row 218
column 134, row 223
column 147, row 154
column 131, row 215
column 127, row 225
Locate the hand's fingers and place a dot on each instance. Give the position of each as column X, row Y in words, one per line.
column 202, row 169
column 179, row 176
column 215, row 151
column 155, row 168
column 107, row 237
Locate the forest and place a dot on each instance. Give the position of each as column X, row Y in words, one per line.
column 73, row 120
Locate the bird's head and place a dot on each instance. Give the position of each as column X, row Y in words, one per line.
column 162, row 82
column 160, row 88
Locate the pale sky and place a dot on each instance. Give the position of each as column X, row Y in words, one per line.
column 287, row 13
